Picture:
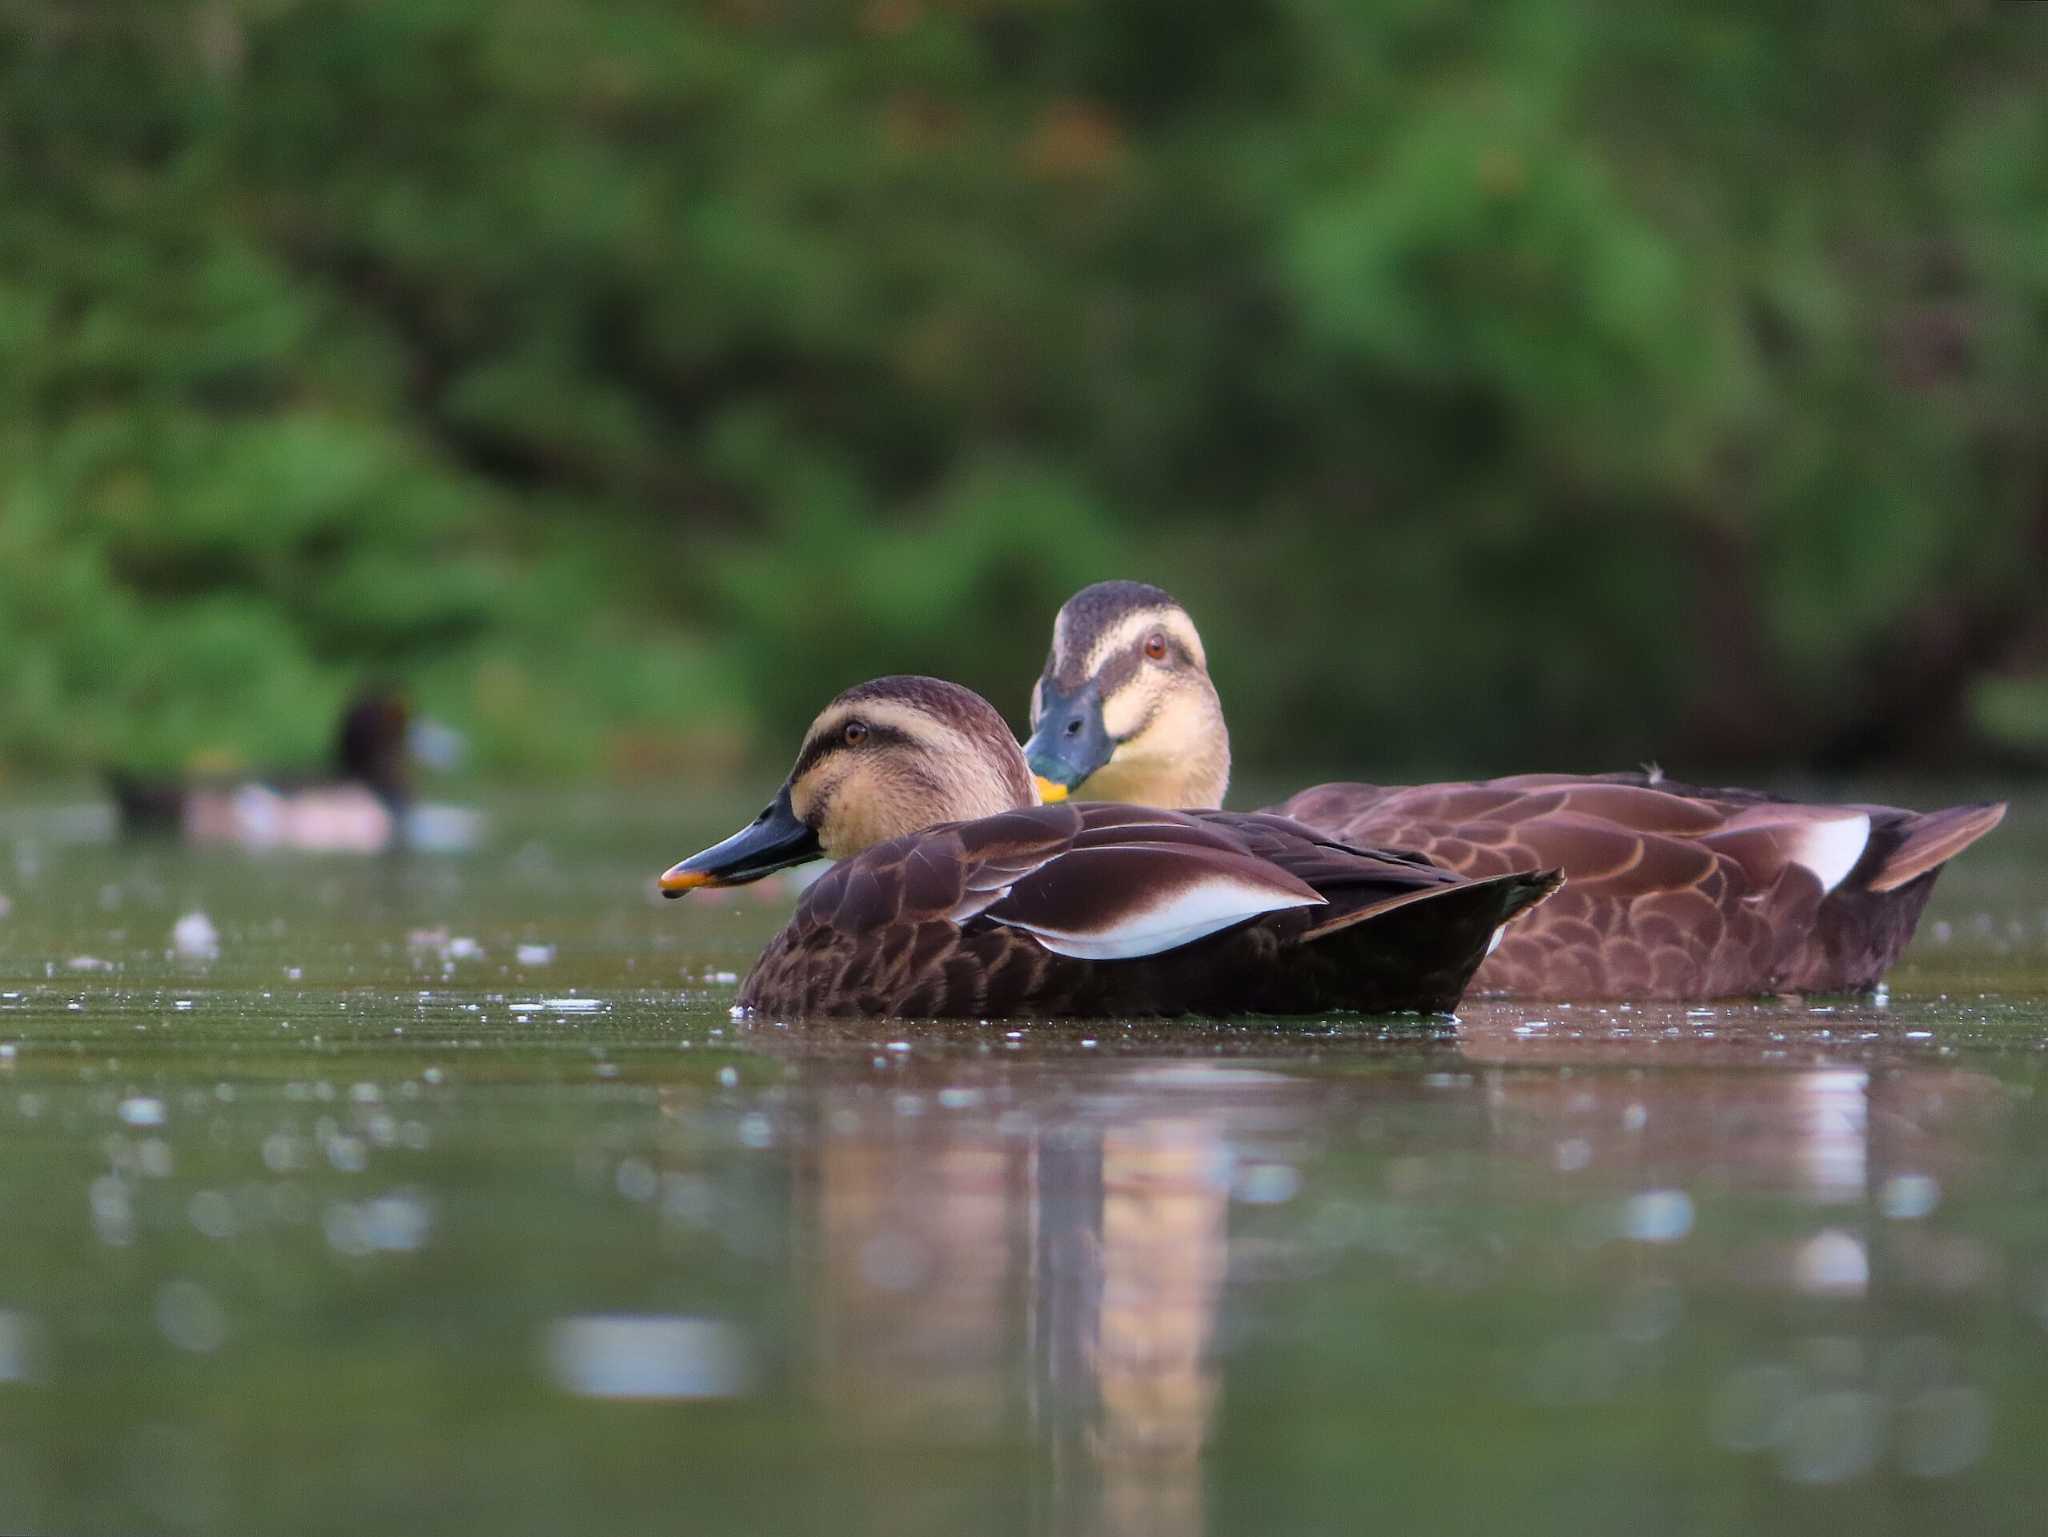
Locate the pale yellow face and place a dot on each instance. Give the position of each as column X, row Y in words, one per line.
column 881, row 769
column 1158, row 707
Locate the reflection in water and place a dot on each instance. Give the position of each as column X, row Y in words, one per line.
column 1030, row 1248
column 1055, row 1268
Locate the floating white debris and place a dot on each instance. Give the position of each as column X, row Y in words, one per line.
column 729, row 1077
column 194, row 938
column 89, row 963
column 1909, row 1197
column 1657, row 1216
column 20, row 1346
column 647, row 1357
column 141, row 1110
column 190, row 1318
column 636, row 1179
column 1832, row 1263
column 535, row 955
column 560, row 1006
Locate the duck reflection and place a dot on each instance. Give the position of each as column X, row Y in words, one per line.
column 1033, row 1248
column 991, row 1264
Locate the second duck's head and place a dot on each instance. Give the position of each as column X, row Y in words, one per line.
column 885, row 758
column 1124, row 710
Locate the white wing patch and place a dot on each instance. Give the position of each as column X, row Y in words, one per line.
column 1190, row 913
column 1830, row 849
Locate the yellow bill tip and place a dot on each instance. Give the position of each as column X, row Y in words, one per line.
column 1048, row 791
column 678, row 880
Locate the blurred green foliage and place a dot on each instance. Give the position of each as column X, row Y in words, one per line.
column 1547, row 383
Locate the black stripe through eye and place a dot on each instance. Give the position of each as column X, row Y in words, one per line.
column 820, row 747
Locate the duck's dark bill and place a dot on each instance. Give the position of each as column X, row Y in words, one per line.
column 1071, row 741
column 773, row 841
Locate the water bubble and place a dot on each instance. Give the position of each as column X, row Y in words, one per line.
column 213, row 1214
column 190, row 1318
column 397, row 1222
column 1832, row 1263
column 282, row 1152
column 347, row 1154
column 153, row 1157
column 21, row 1346
column 1832, row 1437
column 636, row 1179
column 959, row 1099
column 756, row 1130
column 1657, row 1216
column 729, row 1077
column 1754, row 1405
column 535, row 955
column 342, row 1223
column 1943, row 1431
column 141, row 1110
column 647, row 1357
column 688, row 1198
column 113, row 1215
column 1909, row 1197
column 194, row 938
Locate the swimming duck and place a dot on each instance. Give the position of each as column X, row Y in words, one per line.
column 359, row 808
column 958, row 894
column 1674, row 891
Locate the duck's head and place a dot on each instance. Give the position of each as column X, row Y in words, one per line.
column 887, row 758
column 1124, row 710
column 370, row 745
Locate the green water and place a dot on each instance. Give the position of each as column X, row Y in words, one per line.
column 376, row 1221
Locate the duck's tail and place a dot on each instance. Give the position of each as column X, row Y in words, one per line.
column 1507, row 895
column 1932, row 839
column 1419, row 950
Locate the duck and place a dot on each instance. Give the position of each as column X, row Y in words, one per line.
column 1673, row 891
column 360, row 807
column 955, row 892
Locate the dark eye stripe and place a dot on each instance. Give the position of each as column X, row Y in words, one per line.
column 819, row 747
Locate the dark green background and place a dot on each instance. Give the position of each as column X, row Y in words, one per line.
column 1504, row 386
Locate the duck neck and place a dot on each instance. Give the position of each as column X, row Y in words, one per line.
column 1180, row 761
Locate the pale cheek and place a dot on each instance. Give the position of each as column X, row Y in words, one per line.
column 1125, row 711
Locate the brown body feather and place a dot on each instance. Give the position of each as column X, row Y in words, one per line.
column 935, row 924
column 1674, row 892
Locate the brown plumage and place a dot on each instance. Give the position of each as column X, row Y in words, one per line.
column 1674, row 892
column 1074, row 909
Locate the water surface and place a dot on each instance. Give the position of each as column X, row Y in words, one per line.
column 444, row 1195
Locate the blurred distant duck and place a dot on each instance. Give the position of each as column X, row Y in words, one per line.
column 957, row 894
column 1674, row 892
column 360, row 808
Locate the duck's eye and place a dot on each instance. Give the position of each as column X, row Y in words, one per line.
column 1155, row 646
column 854, row 733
